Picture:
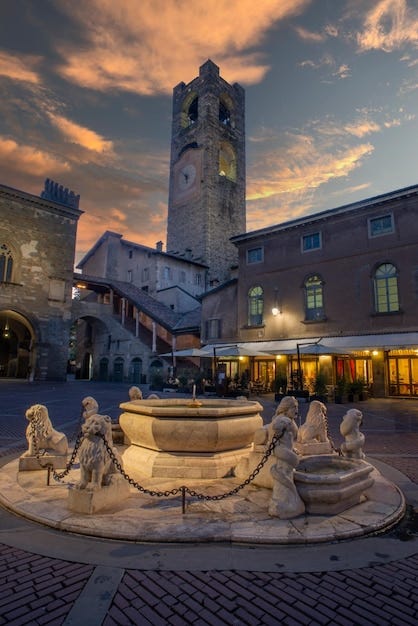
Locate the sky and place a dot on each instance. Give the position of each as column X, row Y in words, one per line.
column 86, row 99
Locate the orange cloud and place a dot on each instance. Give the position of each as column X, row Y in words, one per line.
column 388, row 26
column 19, row 67
column 30, row 160
column 142, row 47
column 301, row 168
column 79, row 134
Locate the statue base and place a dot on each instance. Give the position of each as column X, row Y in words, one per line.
column 32, row 463
column 90, row 501
column 313, row 448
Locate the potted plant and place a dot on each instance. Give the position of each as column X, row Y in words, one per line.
column 340, row 389
column 361, row 389
column 279, row 386
column 320, row 387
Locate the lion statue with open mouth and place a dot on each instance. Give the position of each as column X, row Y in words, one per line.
column 96, row 465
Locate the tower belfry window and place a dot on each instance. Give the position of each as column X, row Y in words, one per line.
column 224, row 114
column 192, row 114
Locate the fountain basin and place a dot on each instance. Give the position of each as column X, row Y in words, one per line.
column 171, row 438
column 330, row 484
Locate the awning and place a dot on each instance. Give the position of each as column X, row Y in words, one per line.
column 336, row 345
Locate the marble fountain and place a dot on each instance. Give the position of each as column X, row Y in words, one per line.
column 246, row 482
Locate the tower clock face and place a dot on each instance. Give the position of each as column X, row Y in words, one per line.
column 186, row 176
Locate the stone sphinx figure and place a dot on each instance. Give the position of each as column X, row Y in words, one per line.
column 44, row 442
column 312, row 436
column 288, row 407
column 352, row 447
column 285, row 501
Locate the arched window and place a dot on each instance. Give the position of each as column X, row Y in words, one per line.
column 227, row 161
column 6, row 264
column 314, row 298
column 386, row 296
column 189, row 110
column 255, row 306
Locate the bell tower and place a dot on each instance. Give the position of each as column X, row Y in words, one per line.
column 206, row 204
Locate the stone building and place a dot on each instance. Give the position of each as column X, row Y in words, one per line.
column 206, row 205
column 37, row 246
column 345, row 279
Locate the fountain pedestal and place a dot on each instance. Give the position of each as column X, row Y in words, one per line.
column 175, row 439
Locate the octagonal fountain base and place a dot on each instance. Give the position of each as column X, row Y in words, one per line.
column 241, row 518
column 176, row 438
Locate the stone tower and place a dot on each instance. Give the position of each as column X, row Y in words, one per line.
column 207, row 171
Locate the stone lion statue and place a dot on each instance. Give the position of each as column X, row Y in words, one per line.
column 96, row 466
column 41, row 435
column 354, row 439
column 315, row 426
column 135, row 393
column 90, row 406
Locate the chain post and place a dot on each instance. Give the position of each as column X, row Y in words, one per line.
column 183, row 500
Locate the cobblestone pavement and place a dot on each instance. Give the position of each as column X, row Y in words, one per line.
column 40, row 587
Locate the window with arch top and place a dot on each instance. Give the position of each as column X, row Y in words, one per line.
column 255, row 306
column 314, row 298
column 6, row 264
column 190, row 110
column 227, row 161
column 386, row 297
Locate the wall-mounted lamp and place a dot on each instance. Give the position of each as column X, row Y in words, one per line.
column 6, row 331
column 276, row 310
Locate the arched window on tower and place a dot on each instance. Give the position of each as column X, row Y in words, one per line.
column 227, row 161
column 314, row 298
column 193, row 112
column 224, row 115
column 6, row 264
column 386, row 297
column 189, row 110
column 255, row 306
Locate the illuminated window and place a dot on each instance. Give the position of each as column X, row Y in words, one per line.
column 6, row 264
column 255, row 306
column 314, row 298
column 227, row 161
column 311, row 242
column 382, row 225
column 386, row 289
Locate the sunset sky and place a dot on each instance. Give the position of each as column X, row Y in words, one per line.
column 86, row 86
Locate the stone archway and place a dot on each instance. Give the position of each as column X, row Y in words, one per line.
column 17, row 340
column 89, row 338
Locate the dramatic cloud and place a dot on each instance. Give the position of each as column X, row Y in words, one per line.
column 122, row 46
column 19, row 67
column 31, row 160
column 389, row 25
column 80, row 135
column 286, row 179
